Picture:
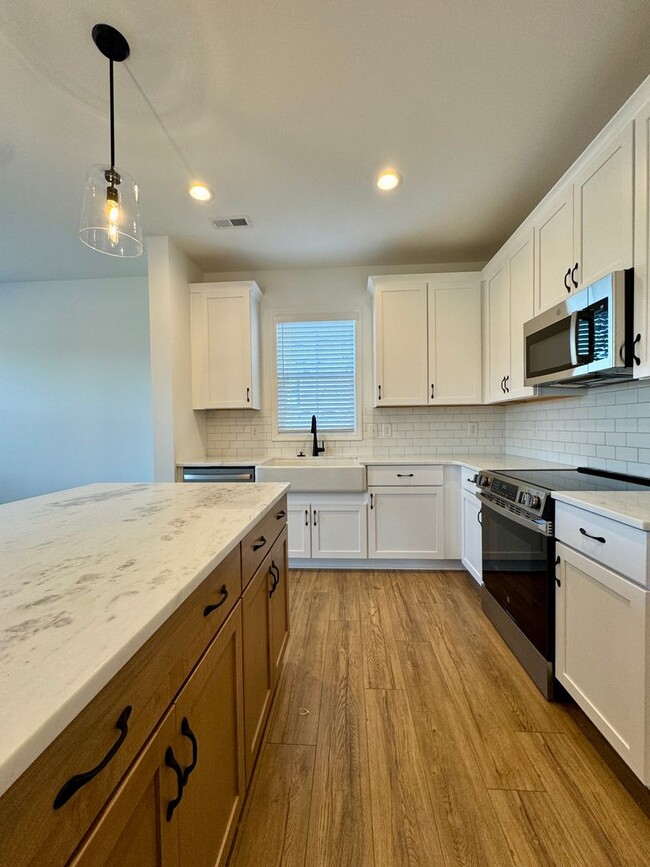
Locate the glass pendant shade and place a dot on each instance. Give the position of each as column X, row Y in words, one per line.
column 110, row 215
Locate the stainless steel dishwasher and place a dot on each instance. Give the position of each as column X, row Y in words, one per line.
column 219, row 474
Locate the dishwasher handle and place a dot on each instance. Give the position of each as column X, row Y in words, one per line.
column 219, row 474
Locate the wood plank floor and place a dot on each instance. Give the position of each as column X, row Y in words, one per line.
column 404, row 734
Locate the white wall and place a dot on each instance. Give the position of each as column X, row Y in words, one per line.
column 413, row 430
column 75, row 393
column 179, row 432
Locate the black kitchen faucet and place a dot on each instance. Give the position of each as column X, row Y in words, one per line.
column 316, row 449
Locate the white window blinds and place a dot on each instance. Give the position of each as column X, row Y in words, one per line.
column 316, row 375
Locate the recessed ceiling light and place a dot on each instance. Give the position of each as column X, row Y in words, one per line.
column 388, row 180
column 201, row 192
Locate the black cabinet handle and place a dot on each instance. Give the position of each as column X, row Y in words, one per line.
column 275, row 572
column 210, row 608
column 557, row 580
column 379, row 392
column 566, row 277
column 315, row 513
column 507, row 387
column 573, row 276
column 187, row 732
column 636, row 358
column 372, row 503
column 589, row 536
column 306, row 517
column 77, row 782
column 171, row 762
column 248, row 395
column 404, row 475
column 478, row 517
column 503, row 388
column 261, row 542
column 433, row 391
column 281, row 514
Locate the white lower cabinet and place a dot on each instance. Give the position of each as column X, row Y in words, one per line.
column 328, row 526
column 601, row 652
column 406, row 523
column 472, row 554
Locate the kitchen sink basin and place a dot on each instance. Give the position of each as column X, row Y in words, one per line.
column 314, row 474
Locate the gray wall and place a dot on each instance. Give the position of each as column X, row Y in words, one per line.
column 75, row 385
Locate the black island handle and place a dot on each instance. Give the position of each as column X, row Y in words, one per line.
column 261, row 542
column 187, row 732
column 77, row 782
column 210, row 608
column 170, row 762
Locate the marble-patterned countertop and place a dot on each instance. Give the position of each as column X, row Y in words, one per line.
column 628, row 507
column 498, row 461
column 86, row 577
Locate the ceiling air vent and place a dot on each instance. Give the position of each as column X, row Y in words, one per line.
column 231, row 222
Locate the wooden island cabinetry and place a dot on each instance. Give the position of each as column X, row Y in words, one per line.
column 173, row 737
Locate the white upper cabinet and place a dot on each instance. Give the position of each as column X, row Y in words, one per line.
column 509, row 282
column 427, row 339
column 225, row 325
column 401, row 355
column 554, row 243
column 586, row 229
column 642, row 241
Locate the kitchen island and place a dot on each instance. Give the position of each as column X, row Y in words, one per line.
column 102, row 591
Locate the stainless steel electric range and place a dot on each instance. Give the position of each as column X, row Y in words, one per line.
column 517, row 515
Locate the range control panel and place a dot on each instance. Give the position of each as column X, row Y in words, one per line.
column 502, row 488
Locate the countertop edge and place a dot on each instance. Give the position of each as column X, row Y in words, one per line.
column 618, row 514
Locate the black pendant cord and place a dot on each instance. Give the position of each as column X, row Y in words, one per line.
column 112, row 100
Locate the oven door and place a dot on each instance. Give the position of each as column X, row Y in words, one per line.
column 518, row 571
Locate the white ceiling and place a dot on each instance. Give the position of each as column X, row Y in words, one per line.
column 288, row 109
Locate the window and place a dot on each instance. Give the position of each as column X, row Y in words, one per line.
column 316, row 375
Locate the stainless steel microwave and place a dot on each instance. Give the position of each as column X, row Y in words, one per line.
column 585, row 340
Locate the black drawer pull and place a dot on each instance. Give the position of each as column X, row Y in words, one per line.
column 77, row 782
column 589, row 536
column 261, row 542
column 281, row 514
column 171, row 762
column 187, row 732
column 210, row 608
column 404, row 475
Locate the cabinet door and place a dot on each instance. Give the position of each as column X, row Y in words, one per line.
column 401, row 360
column 521, row 310
column 498, row 332
column 554, row 250
column 601, row 650
column 642, row 240
column 279, row 604
column 133, row 830
column 258, row 664
column 212, row 704
column 471, row 536
column 222, row 349
column 604, row 211
column 339, row 530
column 299, row 526
column 406, row 523
column 455, row 343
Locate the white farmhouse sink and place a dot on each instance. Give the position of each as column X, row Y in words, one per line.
column 314, row 474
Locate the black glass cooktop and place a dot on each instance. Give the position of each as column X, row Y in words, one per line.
column 580, row 479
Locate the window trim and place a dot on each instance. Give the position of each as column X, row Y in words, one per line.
column 308, row 316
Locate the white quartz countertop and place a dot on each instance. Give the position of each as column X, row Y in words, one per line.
column 465, row 459
column 628, row 507
column 86, row 577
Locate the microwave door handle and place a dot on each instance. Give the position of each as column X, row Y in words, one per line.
column 573, row 339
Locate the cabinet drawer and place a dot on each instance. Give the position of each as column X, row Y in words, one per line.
column 467, row 479
column 257, row 544
column 622, row 548
column 32, row 831
column 412, row 474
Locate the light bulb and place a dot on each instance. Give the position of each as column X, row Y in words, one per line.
column 113, row 215
column 388, row 180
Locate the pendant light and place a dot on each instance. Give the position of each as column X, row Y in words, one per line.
column 110, row 215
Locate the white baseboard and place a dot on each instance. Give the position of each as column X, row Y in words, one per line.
column 358, row 565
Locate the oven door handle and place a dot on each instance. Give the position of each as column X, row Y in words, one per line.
column 544, row 528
